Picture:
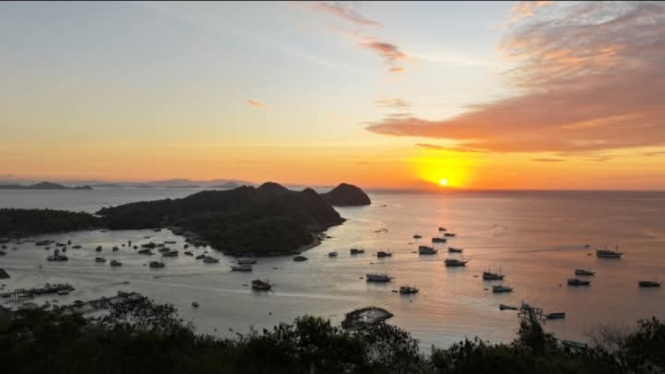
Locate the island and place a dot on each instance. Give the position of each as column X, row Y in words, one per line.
column 41, row 186
column 347, row 195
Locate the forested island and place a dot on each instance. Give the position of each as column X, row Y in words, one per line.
column 41, row 186
column 268, row 220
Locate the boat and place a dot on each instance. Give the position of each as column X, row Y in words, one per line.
column 244, row 267
column 170, row 254
column 356, row 251
column 2, row 253
column 116, row 263
column 200, row 257
column 195, row 304
column 145, row 252
column 57, row 257
column 210, row 260
column 150, row 245
column 606, row 253
column 188, row 253
column 442, row 229
column 584, row 272
column 454, row 250
column 381, row 254
column 300, row 258
column 246, row 261
column 98, row 249
column 377, row 277
column 439, row 240
column 164, row 250
column 260, row 285
column 100, row 259
column 115, row 249
column 43, row 242
column 169, row 242
column 578, row 282
column 417, row 236
column 449, row 234
column 332, row 254
column 488, row 275
column 425, row 250
column 648, row 284
column 501, row 289
column 408, row 290
column 156, row 264
column 559, row 315
column 63, row 292
column 507, row 307
column 452, row 262
column 77, row 247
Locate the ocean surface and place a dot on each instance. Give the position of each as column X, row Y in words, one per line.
column 535, row 238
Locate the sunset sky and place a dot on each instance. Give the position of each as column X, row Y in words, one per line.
column 484, row 95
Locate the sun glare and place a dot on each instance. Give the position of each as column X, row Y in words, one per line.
column 443, row 182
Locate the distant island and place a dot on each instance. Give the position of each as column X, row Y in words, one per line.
column 42, row 186
column 268, row 220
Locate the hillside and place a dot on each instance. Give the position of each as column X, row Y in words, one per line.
column 347, row 195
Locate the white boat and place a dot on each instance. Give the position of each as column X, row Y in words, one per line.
column 210, row 260
column 583, row 272
column 243, row 267
column 501, row 289
column 425, row 250
column 378, row 277
column 332, row 254
column 246, row 261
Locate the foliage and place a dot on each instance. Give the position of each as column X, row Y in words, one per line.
column 37, row 221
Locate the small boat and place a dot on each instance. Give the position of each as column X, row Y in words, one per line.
column 156, row 264
column 578, row 282
column 584, row 272
column 408, row 290
column 606, row 253
column 356, row 251
column 100, row 259
column 573, row 344
column 145, row 252
column 188, row 253
column 454, row 250
column 382, row 254
column 648, row 284
column 507, row 307
column 260, row 285
column 452, row 262
column 246, row 261
column 43, row 242
column 439, row 240
column 332, row 254
column 488, row 275
column 243, row 267
column 501, row 289
column 560, row 315
column 449, row 234
column 442, row 229
column 200, row 257
column 417, row 236
column 63, row 292
column 115, row 249
column 210, row 260
column 2, row 253
column 164, row 250
column 170, row 254
column 57, row 257
column 169, row 242
column 98, row 249
column 195, row 304
column 300, row 258
column 77, row 247
column 116, row 263
column 425, row 250
column 186, row 246
column 376, row 277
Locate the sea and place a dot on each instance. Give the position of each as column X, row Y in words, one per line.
column 536, row 239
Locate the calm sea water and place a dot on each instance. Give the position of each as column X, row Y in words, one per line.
column 535, row 238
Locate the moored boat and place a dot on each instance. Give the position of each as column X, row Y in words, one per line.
column 417, row 236
column 408, row 290
column 243, row 267
column 455, row 250
column 439, row 240
column 381, row 254
column 578, row 282
column 245, row 261
column 332, row 254
column 195, row 304
column 449, row 234
column 156, row 264
column 507, row 307
column 606, row 253
column 171, row 254
column 260, row 285
column 100, row 259
column 210, row 260
column 501, row 289
column 584, row 272
column 356, row 251
column 559, row 315
column 300, row 258
column 453, row 262
column 648, row 284
column 442, row 229
column 116, row 263
column 378, row 277
column 425, row 250
column 145, row 252
column 57, row 257
column 488, row 275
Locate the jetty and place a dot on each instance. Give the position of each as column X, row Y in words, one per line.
column 101, row 303
column 48, row 289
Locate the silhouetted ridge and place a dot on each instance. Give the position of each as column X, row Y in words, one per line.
column 347, row 195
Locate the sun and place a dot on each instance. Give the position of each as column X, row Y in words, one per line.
column 443, row 182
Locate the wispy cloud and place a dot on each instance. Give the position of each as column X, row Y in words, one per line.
column 525, row 9
column 388, row 51
column 396, row 69
column 435, row 147
column 589, row 76
column 395, row 103
column 547, row 159
column 256, row 104
column 342, row 9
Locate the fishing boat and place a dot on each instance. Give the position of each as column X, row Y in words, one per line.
column 210, row 260
column 57, row 257
column 145, row 252
column 77, row 247
column 356, row 251
column 425, row 250
column 606, row 253
column 490, row 276
column 454, row 250
column 300, row 258
column 260, row 285
column 171, row 254
column 243, row 267
column 382, row 254
column 379, row 277
column 507, row 307
column 115, row 249
column 200, row 257
column 452, row 262
column 560, row 315
column 417, row 236
column 116, row 263
column 578, row 282
column 501, row 289
column 100, row 259
column 408, row 290
column 188, row 253
column 195, row 304
column 439, row 240
column 156, row 264
column 449, row 234
column 332, row 254
column 584, row 272
column 246, row 261
column 164, row 250
column 98, row 249
column 648, row 284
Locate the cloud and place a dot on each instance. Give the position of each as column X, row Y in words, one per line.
column 341, row 9
column 547, row 159
column 388, row 51
column 396, row 69
column 525, row 9
column 435, row 147
column 256, row 104
column 588, row 77
column 396, row 103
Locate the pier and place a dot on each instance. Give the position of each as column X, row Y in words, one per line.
column 48, row 289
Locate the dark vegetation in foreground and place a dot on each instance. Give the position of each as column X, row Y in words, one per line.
column 267, row 220
column 139, row 336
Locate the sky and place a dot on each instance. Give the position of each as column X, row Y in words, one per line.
column 473, row 95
